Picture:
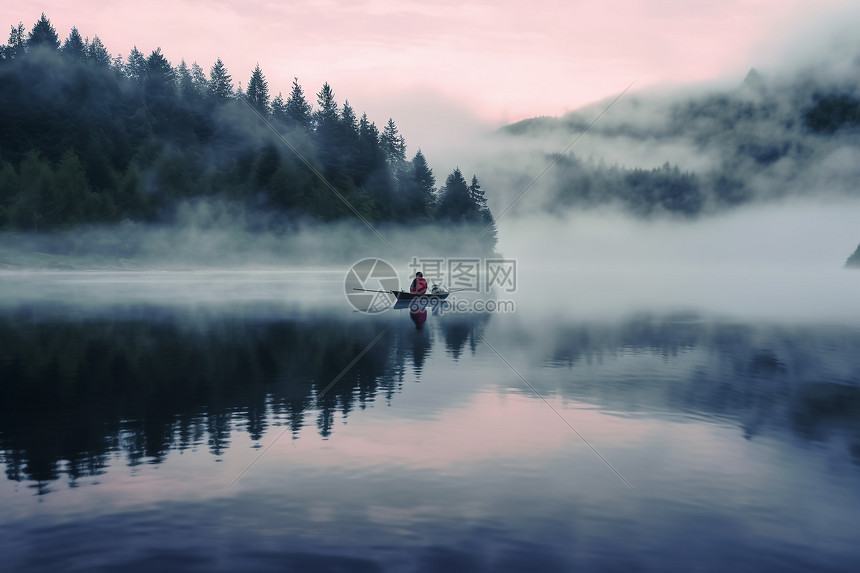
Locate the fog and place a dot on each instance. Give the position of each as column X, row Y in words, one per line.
column 774, row 244
column 777, row 262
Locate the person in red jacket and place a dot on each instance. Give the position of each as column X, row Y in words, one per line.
column 419, row 284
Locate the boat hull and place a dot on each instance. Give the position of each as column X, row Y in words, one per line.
column 428, row 296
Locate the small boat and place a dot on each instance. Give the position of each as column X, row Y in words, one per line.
column 428, row 296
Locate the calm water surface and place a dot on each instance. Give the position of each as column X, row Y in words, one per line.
column 221, row 422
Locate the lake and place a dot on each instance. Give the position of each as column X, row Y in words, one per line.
column 255, row 421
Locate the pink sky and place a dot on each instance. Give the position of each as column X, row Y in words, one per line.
column 499, row 61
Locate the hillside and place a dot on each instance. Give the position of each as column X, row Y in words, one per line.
column 87, row 138
column 687, row 155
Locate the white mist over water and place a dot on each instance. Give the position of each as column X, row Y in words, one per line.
column 779, row 261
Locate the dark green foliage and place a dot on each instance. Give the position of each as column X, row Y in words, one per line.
column 393, row 145
column 135, row 67
column 74, row 46
column 644, row 192
column 763, row 140
column 43, row 35
column 98, row 54
column 455, row 200
column 298, row 109
column 84, row 139
column 833, row 112
column 279, row 108
column 17, row 43
column 257, row 93
column 159, row 76
column 465, row 205
column 423, row 185
column 220, row 82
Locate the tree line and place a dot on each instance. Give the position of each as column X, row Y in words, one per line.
column 88, row 137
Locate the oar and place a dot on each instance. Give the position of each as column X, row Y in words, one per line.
column 370, row 290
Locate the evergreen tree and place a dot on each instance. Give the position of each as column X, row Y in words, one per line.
column 43, row 35
column 220, row 82
column 326, row 117
column 368, row 133
column 98, row 54
column 159, row 75
column 279, row 108
column 117, row 65
column 135, row 67
column 348, row 120
column 198, row 79
column 327, row 130
column 485, row 218
column 369, row 157
column 257, row 93
column 17, row 43
column 476, row 194
column 74, row 46
column 455, row 204
column 348, row 130
column 182, row 77
column 298, row 108
column 424, row 183
column 393, row 145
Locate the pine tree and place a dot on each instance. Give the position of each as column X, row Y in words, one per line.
column 257, row 93
column 476, row 194
column 326, row 123
column 98, row 54
column 367, row 131
column 393, row 145
column 326, row 117
column 424, row 182
column 74, row 47
column 117, row 65
column 369, row 157
column 484, row 216
column 182, row 78
column 135, row 67
column 348, row 119
column 298, row 108
column 220, row 82
column 455, row 204
column 279, row 108
column 43, row 35
column 17, row 43
column 198, row 79
column 159, row 75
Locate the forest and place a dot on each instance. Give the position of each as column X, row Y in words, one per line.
column 768, row 138
column 91, row 138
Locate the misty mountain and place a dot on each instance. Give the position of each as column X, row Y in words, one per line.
column 690, row 154
column 87, row 138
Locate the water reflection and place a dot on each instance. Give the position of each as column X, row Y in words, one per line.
column 428, row 445
column 75, row 392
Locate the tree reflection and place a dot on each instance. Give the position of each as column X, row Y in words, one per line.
column 75, row 394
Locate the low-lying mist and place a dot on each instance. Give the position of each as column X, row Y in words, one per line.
column 213, row 234
column 781, row 261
